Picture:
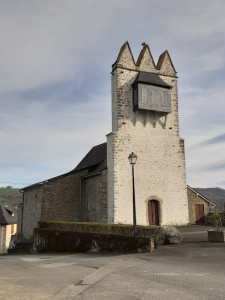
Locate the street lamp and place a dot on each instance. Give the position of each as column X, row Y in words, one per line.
column 132, row 160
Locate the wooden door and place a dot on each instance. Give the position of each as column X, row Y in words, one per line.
column 153, row 212
column 199, row 213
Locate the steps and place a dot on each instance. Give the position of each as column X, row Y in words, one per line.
column 22, row 247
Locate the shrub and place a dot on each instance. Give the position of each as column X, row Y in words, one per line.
column 155, row 232
column 49, row 240
column 210, row 218
column 216, row 220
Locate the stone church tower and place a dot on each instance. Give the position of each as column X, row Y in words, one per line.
column 145, row 121
column 99, row 188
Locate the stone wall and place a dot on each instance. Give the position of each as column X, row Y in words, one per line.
column 61, row 199
column 46, row 240
column 53, row 200
column 31, row 211
column 110, row 177
column 194, row 198
column 160, row 169
column 2, row 238
column 94, row 197
column 76, row 197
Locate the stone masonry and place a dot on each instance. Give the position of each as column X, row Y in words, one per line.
column 70, row 197
column 160, row 169
column 100, row 191
column 32, row 204
column 193, row 199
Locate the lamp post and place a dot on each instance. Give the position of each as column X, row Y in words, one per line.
column 132, row 160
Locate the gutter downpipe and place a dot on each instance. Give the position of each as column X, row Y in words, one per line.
column 21, row 225
column 80, row 218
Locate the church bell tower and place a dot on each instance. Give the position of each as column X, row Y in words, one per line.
column 145, row 121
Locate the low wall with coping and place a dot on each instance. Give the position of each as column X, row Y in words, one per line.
column 82, row 237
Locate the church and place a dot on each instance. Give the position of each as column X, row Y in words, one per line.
column 145, row 121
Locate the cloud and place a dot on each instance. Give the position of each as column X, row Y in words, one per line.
column 50, row 131
column 216, row 166
column 55, row 63
column 49, row 41
column 222, row 183
column 202, row 112
column 217, row 139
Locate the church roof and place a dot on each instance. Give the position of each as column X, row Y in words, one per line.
column 95, row 160
column 97, row 157
column 150, row 78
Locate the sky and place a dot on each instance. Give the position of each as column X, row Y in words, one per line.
column 55, row 82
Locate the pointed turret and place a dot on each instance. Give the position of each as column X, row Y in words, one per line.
column 165, row 64
column 125, row 58
column 145, row 60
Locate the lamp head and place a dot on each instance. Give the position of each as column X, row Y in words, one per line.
column 132, row 158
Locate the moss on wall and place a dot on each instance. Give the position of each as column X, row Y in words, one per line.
column 155, row 232
column 49, row 240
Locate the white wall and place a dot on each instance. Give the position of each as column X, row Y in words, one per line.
column 160, row 169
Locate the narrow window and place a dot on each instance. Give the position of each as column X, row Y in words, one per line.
column 135, row 98
column 144, row 95
column 164, row 99
column 155, row 97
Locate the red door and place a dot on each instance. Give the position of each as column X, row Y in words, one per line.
column 199, row 213
column 153, row 212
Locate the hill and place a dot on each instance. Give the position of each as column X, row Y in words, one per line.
column 216, row 195
column 10, row 195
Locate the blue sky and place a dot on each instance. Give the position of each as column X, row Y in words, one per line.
column 55, row 64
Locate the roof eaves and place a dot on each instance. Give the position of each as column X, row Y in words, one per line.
column 157, row 81
column 45, row 181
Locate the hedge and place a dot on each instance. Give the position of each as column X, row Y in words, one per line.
column 49, row 240
column 155, row 232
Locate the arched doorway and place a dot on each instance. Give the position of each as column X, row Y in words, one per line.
column 153, row 212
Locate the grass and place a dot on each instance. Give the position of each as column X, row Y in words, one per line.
column 8, row 190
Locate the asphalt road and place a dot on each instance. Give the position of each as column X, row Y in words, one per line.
column 194, row 269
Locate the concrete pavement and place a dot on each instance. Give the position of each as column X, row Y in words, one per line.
column 195, row 233
column 191, row 270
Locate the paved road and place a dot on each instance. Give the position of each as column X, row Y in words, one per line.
column 191, row 270
column 195, row 233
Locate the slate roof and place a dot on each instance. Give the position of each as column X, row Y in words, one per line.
column 97, row 156
column 150, row 78
column 95, row 160
column 8, row 215
column 203, row 197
